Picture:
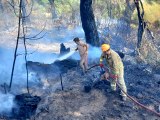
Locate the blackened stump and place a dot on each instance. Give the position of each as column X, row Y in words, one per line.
column 66, row 64
column 63, row 49
column 26, row 106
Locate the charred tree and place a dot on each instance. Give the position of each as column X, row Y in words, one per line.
column 21, row 22
column 53, row 9
column 88, row 22
column 142, row 23
column 17, row 42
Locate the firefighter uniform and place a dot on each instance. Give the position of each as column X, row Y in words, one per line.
column 116, row 70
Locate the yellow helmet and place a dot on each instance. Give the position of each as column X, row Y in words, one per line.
column 105, row 47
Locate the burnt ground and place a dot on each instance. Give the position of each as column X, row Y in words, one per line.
column 99, row 103
column 85, row 97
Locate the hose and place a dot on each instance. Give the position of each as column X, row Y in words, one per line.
column 93, row 66
column 138, row 103
column 130, row 97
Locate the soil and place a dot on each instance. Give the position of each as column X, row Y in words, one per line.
column 85, row 97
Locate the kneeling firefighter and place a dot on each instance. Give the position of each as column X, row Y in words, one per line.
column 115, row 74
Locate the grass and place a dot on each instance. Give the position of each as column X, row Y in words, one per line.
column 152, row 12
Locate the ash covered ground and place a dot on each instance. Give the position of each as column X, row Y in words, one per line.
column 100, row 102
column 74, row 103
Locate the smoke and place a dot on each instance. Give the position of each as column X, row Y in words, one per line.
column 6, row 66
column 66, row 56
column 47, row 57
column 42, row 57
column 6, row 62
column 94, row 52
column 6, row 103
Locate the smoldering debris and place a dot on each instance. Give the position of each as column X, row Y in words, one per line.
column 26, row 106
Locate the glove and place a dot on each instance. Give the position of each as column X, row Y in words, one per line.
column 113, row 76
column 101, row 65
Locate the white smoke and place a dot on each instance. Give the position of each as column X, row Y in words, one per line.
column 66, row 55
column 6, row 103
column 94, row 52
column 42, row 57
column 46, row 56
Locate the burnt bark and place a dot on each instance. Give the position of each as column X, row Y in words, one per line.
column 142, row 23
column 53, row 9
column 17, row 42
column 88, row 22
column 22, row 20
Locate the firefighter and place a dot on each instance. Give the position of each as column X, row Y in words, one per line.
column 116, row 69
column 83, row 51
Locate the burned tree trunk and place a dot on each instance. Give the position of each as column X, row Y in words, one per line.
column 142, row 24
column 17, row 43
column 53, row 9
column 21, row 22
column 88, row 22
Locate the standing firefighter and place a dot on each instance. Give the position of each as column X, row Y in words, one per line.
column 116, row 69
column 83, row 51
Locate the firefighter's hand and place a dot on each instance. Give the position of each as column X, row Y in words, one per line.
column 101, row 65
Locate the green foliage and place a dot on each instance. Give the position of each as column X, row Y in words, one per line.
column 40, row 7
column 103, row 9
column 67, row 6
column 151, row 1
column 151, row 12
column 109, row 8
column 43, row 2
